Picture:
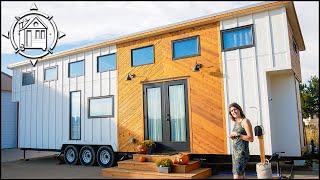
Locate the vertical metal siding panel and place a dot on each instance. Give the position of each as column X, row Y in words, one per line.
column 39, row 106
column 13, row 94
column 96, row 92
column 66, row 101
column 33, row 112
column 46, row 111
column 88, row 93
column 28, row 115
column 80, row 86
column 58, row 112
column 73, row 80
column 52, row 114
column 18, row 83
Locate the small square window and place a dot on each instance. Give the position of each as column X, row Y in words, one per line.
column 51, row 73
column 106, row 63
column 28, row 78
column 143, row 55
column 76, row 68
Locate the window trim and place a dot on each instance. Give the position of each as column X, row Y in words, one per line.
column 71, row 115
column 182, row 57
column 34, row 76
column 102, row 56
column 84, row 68
column 142, row 48
column 44, row 73
column 101, row 97
column 239, row 47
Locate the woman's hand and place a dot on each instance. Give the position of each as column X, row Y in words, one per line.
column 233, row 135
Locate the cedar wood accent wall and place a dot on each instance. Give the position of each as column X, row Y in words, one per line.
column 205, row 88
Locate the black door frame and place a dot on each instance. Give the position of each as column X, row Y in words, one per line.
column 167, row 145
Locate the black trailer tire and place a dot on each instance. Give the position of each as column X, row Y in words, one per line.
column 87, row 156
column 105, row 156
column 71, row 155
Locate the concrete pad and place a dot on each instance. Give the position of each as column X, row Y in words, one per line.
column 8, row 155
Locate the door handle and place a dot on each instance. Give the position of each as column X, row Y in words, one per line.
column 168, row 117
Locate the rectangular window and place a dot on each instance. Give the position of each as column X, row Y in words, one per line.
column 106, row 62
column 75, row 115
column 76, row 69
column 51, row 73
column 37, row 34
column 185, row 47
column 28, row 78
column 101, row 107
column 143, row 55
column 42, row 35
column 236, row 38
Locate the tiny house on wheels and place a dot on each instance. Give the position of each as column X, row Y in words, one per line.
column 171, row 84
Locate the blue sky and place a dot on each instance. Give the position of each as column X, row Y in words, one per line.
column 90, row 22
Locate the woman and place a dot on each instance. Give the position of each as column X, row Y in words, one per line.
column 241, row 135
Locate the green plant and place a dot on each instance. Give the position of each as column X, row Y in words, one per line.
column 165, row 162
column 149, row 143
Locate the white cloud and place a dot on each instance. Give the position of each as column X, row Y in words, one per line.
column 87, row 21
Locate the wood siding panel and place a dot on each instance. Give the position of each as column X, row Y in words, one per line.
column 205, row 88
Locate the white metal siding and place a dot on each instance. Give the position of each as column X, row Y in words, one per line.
column 8, row 121
column 44, row 106
column 245, row 69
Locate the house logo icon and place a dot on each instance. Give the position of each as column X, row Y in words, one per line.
column 34, row 34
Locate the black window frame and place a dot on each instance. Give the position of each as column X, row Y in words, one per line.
column 103, row 56
column 84, row 68
column 71, row 115
column 187, row 56
column 142, row 48
column 44, row 73
column 239, row 47
column 34, row 78
column 101, row 97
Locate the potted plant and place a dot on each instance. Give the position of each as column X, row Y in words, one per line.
column 150, row 146
column 164, row 165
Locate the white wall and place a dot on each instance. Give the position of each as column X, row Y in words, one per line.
column 8, row 121
column 284, row 122
column 44, row 106
column 245, row 69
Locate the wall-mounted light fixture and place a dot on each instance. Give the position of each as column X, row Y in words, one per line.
column 130, row 76
column 196, row 67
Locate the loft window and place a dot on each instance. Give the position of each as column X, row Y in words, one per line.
column 237, row 38
column 76, row 68
column 143, row 55
column 185, row 47
column 51, row 73
column 106, row 62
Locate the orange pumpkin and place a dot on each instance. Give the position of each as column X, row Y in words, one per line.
column 141, row 159
column 182, row 159
column 142, row 149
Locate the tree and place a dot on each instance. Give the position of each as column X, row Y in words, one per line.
column 310, row 97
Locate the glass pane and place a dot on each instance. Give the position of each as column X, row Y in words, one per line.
column 142, row 56
column 76, row 69
column 101, row 107
column 186, row 47
column 107, row 62
column 177, row 113
column 154, row 114
column 237, row 38
column 75, row 115
column 28, row 78
column 51, row 74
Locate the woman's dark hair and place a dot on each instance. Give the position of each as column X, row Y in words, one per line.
column 235, row 105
